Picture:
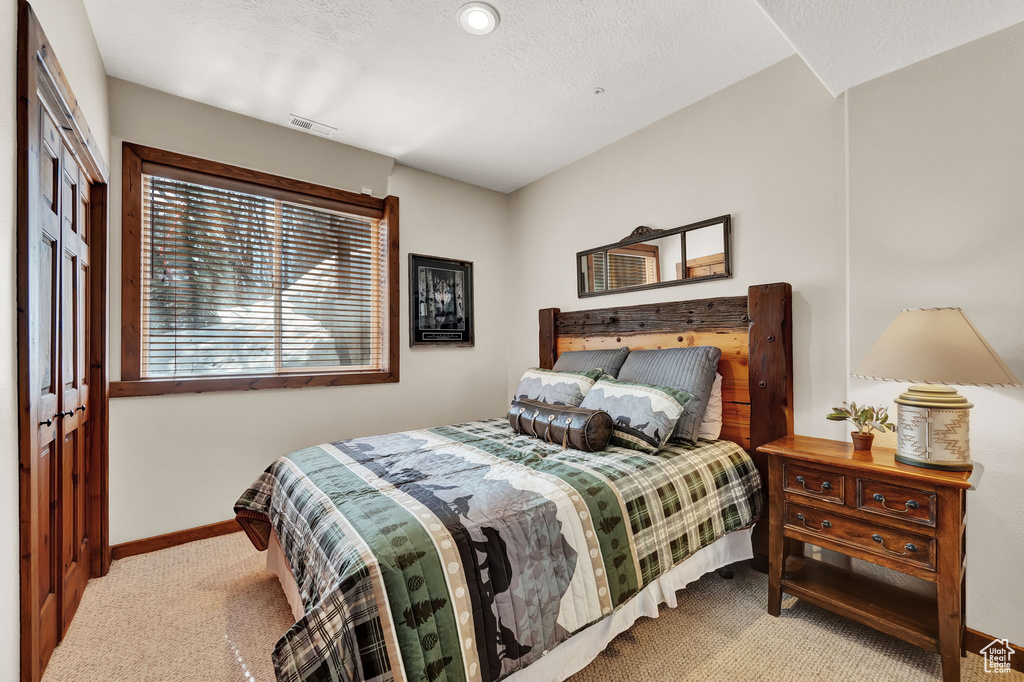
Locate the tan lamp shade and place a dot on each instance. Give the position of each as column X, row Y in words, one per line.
column 935, row 346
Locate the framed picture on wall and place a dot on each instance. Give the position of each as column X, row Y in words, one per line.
column 440, row 301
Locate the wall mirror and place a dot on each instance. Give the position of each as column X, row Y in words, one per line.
column 649, row 258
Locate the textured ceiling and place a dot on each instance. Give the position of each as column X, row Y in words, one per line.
column 399, row 77
column 849, row 42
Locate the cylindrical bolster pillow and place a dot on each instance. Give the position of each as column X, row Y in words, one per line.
column 572, row 427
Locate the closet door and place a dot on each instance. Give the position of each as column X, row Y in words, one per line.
column 74, row 393
column 60, row 310
column 45, row 287
column 62, row 386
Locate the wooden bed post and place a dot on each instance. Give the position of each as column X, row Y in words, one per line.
column 548, row 337
column 770, row 308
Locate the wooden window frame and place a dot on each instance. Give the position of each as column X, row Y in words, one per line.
column 132, row 383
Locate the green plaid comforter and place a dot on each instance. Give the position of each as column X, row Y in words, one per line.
column 466, row 552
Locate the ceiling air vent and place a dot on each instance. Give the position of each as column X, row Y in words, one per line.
column 309, row 126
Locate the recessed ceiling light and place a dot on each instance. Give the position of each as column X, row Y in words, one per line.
column 478, row 18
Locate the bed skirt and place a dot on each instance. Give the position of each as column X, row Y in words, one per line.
column 575, row 653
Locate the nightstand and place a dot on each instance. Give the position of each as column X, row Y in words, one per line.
column 866, row 505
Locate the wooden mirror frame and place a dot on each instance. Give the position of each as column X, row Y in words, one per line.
column 643, row 234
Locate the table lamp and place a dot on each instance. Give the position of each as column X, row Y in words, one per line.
column 933, row 348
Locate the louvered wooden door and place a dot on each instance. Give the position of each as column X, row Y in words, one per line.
column 59, row 228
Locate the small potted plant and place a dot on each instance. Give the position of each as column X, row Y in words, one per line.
column 865, row 419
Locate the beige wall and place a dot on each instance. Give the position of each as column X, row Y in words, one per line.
column 937, row 219
column 67, row 28
column 768, row 150
column 182, row 460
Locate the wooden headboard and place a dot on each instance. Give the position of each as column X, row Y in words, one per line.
column 753, row 331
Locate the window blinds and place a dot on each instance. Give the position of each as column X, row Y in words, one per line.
column 244, row 280
column 629, row 270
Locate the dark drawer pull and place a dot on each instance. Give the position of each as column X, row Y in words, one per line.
column 825, row 486
column 48, row 422
column 825, row 525
column 910, row 546
column 908, row 505
column 69, row 413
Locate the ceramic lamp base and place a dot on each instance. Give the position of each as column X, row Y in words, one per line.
column 933, row 428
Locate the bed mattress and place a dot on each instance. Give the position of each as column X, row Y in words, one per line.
column 467, row 552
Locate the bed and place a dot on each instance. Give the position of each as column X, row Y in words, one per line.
column 468, row 552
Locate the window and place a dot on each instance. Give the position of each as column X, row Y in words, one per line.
column 235, row 280
column 627, row 266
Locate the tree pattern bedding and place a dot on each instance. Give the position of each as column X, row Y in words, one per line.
column 466, row 552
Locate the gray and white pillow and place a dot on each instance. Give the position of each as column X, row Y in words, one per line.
column 610, row 360
column 691, row 370
column 556, row 388
column 644, row 415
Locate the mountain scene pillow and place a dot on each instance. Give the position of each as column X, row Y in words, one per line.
column 556, row 388
column 645, row 415
column 690, row 369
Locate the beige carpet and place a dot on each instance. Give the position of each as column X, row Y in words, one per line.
column 208, row 611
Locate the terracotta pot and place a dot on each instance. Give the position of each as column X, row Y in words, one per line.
column 862, row 441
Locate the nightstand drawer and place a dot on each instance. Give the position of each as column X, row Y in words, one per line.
column 823, row 485
column 896, row 501
column 896, row 545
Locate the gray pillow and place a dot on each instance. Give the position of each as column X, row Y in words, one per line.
column 685, row 369
column 581, row 360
